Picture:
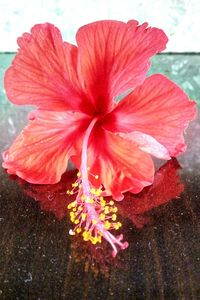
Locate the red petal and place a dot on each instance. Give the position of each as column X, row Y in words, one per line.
column 43, row 72
column 114, row 57
column 158, row 109
column 40, row 153
column 167, row 186
column 119, row 163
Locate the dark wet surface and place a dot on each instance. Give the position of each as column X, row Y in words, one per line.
column 39, row 260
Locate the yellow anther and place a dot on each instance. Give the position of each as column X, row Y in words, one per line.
column 83, row 216
column 78, row 174
column 80, row 208
column 106, row 210
column 107, row 225
column 83, row 197
column 114, row 209
column 94, row 221
column 75, row 184
column 98, row 192
column 96, row 177
column 93, row 191
column 71, row 214
column 74, row 209
column 114, row 217
column 117, row 225
column 69, row 206
column 102, row 217
column 90, row 200
column 76, row 221
column 111, row 202
column 73, row 204
column 71, row 192
column 94, row 240
column 78, row 230
column 68, row 192
column 85, row 238
column 103, row 202
column 86, row 235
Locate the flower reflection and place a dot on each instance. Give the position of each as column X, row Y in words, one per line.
column 96, row 259
column 167, row 186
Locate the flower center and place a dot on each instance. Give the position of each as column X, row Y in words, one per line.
column 92, row 215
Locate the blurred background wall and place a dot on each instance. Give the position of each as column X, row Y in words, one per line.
column 179, row 18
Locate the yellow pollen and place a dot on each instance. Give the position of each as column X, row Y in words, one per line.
column 114, row 209
column 103, row 202
column 106, row 210
column 78, row 230
column 94, row 240
column 73, row 204
column 102, row 217
column 90, row 201
column 86, row 236
column 98, row 192
column 114, row 217
column 83, row 216
column 107, row 225
column 103, row 213
column 117, row 225
column 93, row 191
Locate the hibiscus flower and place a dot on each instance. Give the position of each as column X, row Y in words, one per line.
column 75, row 89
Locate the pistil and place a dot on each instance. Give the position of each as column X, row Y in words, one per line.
column 92, row 215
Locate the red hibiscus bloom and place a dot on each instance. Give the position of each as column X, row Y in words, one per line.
column 75, row 90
